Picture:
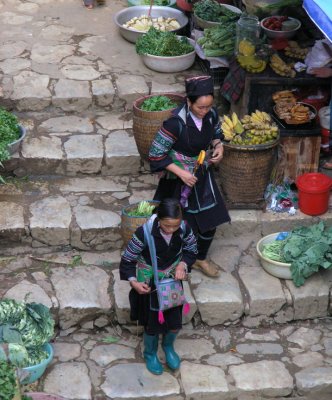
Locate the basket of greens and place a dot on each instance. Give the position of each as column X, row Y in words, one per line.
column 134, row 216
column 209, row 13
column 297, row 254
column 165, row 51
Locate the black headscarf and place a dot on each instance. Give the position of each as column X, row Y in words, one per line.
column 199, row 86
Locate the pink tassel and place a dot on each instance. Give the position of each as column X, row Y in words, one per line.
column 186, row 309
column 161, row 318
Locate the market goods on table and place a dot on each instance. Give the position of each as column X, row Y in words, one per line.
column 210, row 10
column 307, row 249
column 167, row 44
column 280, row 67
column 294, row 50
column 254, row 129
column 280, row 26
column 144, row 22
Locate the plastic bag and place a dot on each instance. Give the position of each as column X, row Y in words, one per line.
column 281, row 198
column 320, row 55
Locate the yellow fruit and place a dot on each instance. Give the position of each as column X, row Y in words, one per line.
column 228, row 121
column 246, row 48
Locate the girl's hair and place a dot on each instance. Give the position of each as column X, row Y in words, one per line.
column 193, row 99
column 169, row 208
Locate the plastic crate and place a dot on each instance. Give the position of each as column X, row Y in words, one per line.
column 218, row 74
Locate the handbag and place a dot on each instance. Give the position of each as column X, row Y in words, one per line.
column 170, row 291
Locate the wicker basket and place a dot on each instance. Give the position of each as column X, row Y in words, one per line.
column 129, row 224
column 245, row 172
column 147, row 123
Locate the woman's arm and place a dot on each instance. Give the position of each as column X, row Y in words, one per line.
column 187, row 177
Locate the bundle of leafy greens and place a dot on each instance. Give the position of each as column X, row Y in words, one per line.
column 163, row 44
column 307, row 249
column 144, row 209
column 211, row 10
column 25, row 328
column 9, row 132
column 219, row 40
column 158, row 103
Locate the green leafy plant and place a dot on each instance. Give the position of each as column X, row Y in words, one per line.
column 9, row 132
column 158, row 103
column 8, row 383
column 163, row 44
column 155, row 2
column 211, row 10
column 144, row 209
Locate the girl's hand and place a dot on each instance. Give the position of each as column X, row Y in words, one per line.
column 140, row 287
column 217, row 154
column 180, row 272
column 188, row 178
column 322, row 72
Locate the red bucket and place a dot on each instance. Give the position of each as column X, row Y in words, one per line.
column 314, row 191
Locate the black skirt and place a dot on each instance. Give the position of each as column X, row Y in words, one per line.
column 140, row 310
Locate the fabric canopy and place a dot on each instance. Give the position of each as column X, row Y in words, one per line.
column 320, row 12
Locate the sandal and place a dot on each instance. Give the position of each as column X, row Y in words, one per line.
column 208, row 268
column 88, row 4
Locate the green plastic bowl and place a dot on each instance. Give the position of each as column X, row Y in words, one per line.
column 36, row 371
column 171, row 3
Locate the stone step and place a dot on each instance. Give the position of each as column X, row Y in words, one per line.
column 84, row 212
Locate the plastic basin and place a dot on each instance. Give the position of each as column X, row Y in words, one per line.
column 275, row 268
column 36, row 371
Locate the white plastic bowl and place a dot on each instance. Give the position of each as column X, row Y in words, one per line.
column 270, row 33
column 170, row 64
column 275, row 268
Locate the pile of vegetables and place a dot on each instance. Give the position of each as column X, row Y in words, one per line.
column 9, row 132
column 144, row 23
column 24, row 329
column 307, row 249
column 211, row 10
column 164, row 44
column 218, row 41
column 144, row 209
column 158, row 103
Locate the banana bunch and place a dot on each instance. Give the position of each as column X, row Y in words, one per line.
column 280, row 67
column 295, row 51
column 231, row 126
column 257, row 117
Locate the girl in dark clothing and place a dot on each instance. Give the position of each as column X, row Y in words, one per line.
column 176, row 252
column 193, row 127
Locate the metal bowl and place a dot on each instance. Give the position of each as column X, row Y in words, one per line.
column 170, row 64
column 280, row 34
column 127, row 14
column 275, row 268
column 202, row 23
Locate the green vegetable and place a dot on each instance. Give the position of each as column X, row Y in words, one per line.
column 274, row 250
column 9, row 132
column 7, row 381
column 165, row 44
column 280, row 4
column 211, row 10
column 144, row 209
column 218, row 41
column 158, row 103
column 155, row 2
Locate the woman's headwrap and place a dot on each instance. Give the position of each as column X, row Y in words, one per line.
column 199, row 86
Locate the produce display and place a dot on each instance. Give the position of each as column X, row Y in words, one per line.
column 280, row 67
column 144, row 209
column 166, row 44
column 218, row 41
column 26, row 327
column 253, row 129
column 287, row 108
column 143, row 23
column 158, row 103
column 307, row 249
column 212, row 11
column 293, row 50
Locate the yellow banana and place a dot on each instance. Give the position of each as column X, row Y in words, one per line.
column 228, row 121
column 201, row 157
column 235, row 119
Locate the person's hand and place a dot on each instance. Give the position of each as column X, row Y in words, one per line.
column 140, row 287
column 217, row 154
column 188, row 178
column 180, row 272
column 322, row 72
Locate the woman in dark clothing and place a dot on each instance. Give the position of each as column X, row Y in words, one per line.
column 193, row 127
column 176, row 251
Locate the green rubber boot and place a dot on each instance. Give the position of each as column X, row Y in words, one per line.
column 172, row 358
column 150, row 354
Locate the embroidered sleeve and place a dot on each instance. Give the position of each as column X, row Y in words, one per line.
column 129, row 258
column 189, row 249
column 161, row 145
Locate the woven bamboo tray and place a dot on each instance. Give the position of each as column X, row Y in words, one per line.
column 245, row 172
column 129, row 224
column 147, row 123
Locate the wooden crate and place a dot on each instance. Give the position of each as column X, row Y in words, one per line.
column 298, row 155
